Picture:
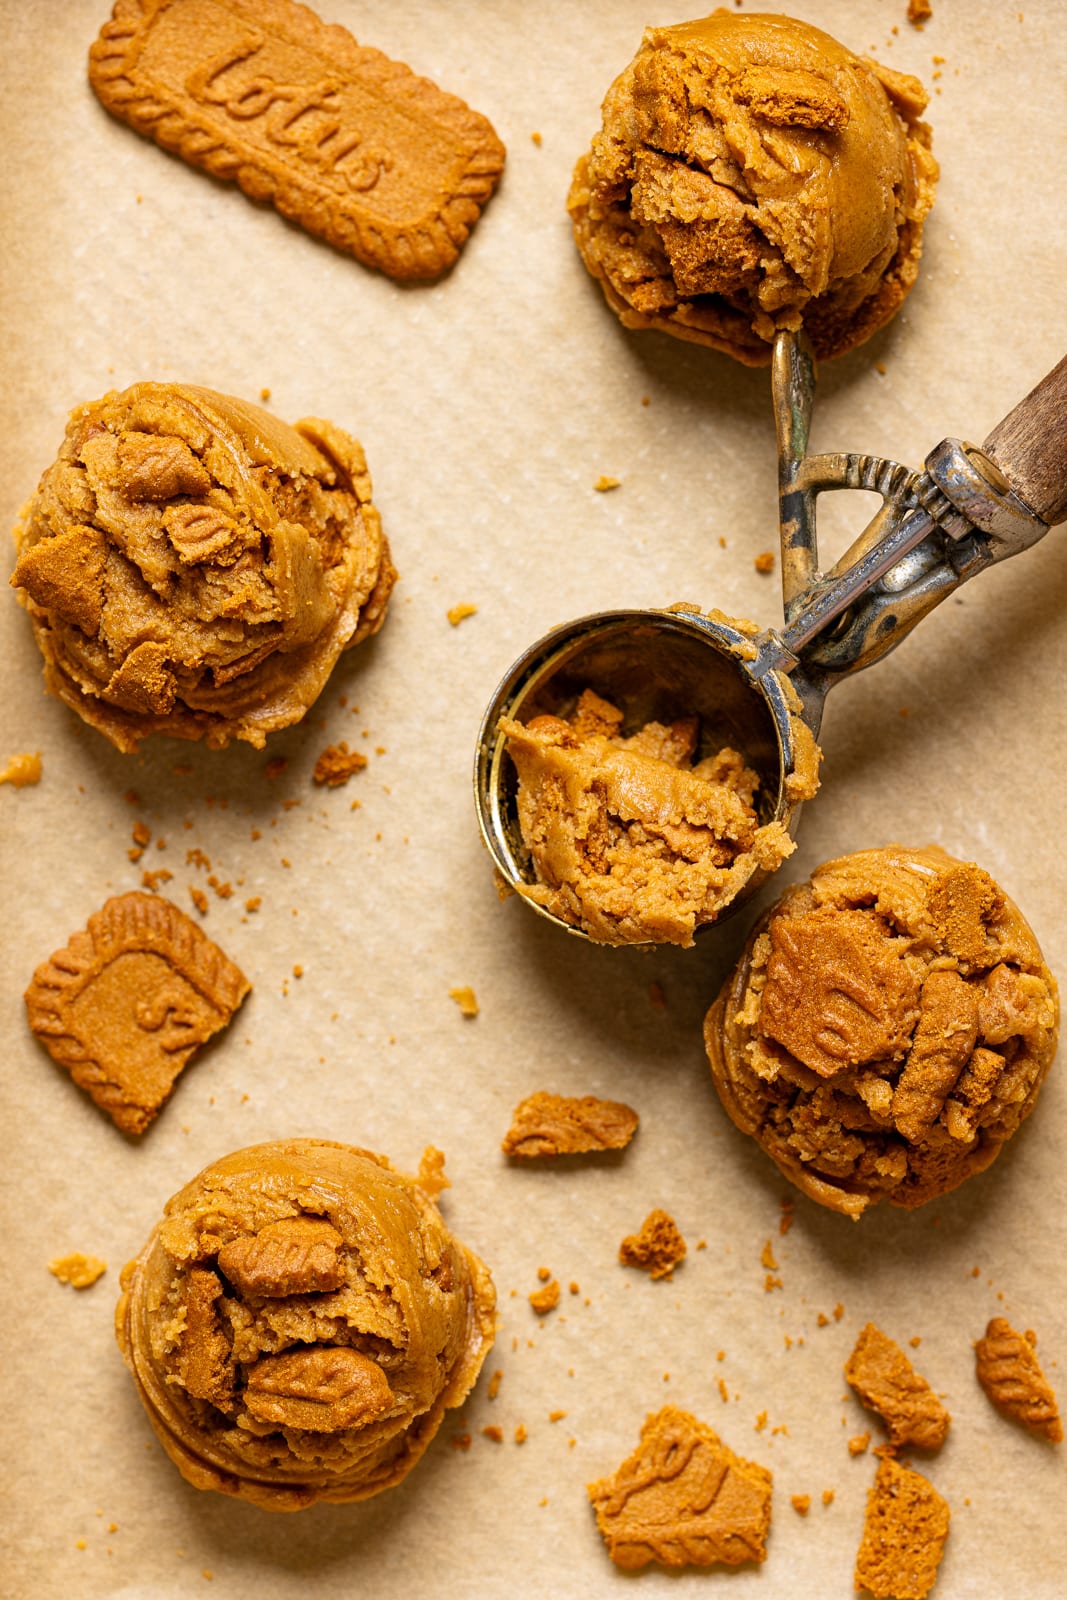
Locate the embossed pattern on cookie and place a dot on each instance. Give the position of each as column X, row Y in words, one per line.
column 129, row 1000
column 683, row 1499
column 353, row 146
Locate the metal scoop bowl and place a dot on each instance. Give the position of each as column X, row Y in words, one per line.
column 761, row 691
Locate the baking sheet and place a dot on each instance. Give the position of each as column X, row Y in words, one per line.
column 488, row 405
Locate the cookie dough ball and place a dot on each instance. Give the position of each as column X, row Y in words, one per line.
column 751, row 175
column 887, row 1028
column 299, row 1321
column 194, row 566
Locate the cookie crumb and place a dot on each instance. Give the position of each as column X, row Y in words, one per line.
column 828, row 1497
column 458, row 614
column 465, row 1000
column 657, row 1248
column 336, row 765
column 22, row 770
column 764, row 562
column 546, row 1299
column 858, row 1444
column 275, row 766
column 801, row 1503
column 536, row 139
column 493, row 1388
column 767, row 1258
column 77, row 1269
column 491, row 1431
column 603, row 484
column 521, row 1435
column 919, row 12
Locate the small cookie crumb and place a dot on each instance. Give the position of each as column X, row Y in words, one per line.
column 858, row 1444
column 603, row 484
column 535, row 138
column 465, row 999
column 22, row 770
column 491, row 1431
column 657, row 1248
column 493, row 1388
column 77, row 1269
column 458, row 614
column 337, row 764
column 919, row 11
column 764, row 562
column 801, row 1503
column 546, row 1299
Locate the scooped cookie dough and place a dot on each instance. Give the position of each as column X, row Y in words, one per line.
column 887, row 1028
column 752, row 174
column 194, row 566
column 631, row 840
column 299, row 1321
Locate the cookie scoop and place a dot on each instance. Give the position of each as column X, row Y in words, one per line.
column 887, row 1028
column 753, row 175
column 194, row 566
column 300, row 1320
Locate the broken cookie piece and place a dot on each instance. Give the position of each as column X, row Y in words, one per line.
column 683, row 1499
column 887, row 1028
column 657, row 1248
column 635, row 837
column 300, row 1320
column 193, row 566
column 886, row 1382
column 557, row 1125
column 1008, row 1370
column 130, row 1000
column 904, row 1535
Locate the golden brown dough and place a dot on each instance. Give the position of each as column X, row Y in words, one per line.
column 886, row 1382
column 194, row 566
column 1010, row 1373
column 633, row 839
column 752, row 174
column 557, row 1125
column 299, row 1321
column 887, row 1028
column 904, row 1535
column 683, row 1499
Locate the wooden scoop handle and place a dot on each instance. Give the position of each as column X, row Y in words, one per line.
column 1030, row 446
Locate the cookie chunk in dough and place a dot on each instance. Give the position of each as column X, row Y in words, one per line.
column 299, row 1321
column 683, row 1499
column 887, row 1028
column 750, row 175
column 194, row 566
column 634, row 839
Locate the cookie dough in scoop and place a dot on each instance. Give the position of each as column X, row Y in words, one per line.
column 633, row 840
column 194, row 566
column 300, row 1320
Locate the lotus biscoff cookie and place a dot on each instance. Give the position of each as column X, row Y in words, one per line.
column 352, row 146
column 129, row 1001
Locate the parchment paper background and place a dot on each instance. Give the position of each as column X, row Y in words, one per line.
column 489, row 404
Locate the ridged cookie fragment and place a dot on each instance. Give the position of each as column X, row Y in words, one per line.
column 886, row 1381
column 1009, row 1372
column 556, row 1125
column 129, row 1000
column 683, row 1499
column 337, row 137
